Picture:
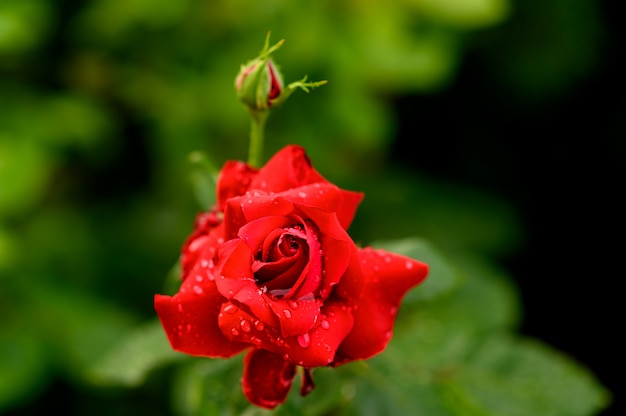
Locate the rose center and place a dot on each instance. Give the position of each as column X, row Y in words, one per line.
column 282, row 264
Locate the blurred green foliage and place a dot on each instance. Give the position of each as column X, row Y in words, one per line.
column 101, row 105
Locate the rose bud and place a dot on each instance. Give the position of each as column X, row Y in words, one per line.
column 259, row 83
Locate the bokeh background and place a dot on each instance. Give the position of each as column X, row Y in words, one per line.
column 494, row 126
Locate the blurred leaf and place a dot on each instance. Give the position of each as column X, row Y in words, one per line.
column 452, row 217
column 523, row 377
column 23, row 24
column 23, row 365
column 129, row 361
column 464, row 14
column 208, row 386
column 442, row 275
column 24, row 170
column 204, row 179
column 8, row 251
column 77, row 325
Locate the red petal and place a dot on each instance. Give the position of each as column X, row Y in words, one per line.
column 234, row 180
column 296, row 317
column 319, row 346
column 314, row 348
column 288, row 168
column 190, row 320
column 267, row 378
column 386, row 277
column 328, row 197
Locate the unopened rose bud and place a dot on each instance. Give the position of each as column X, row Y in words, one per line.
column 259, row 83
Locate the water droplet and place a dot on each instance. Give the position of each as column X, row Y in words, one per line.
column 211, row 277
column 199, row 279
column 256, row 341
column 409, row 264
column 302, row 194
column 387, row 259
column 234, row 331
column 286, row 357
column 230, row 308
column 197, row 290
column 188, row 327
column 325, row 324
column 280, row 342
column 287, row 313
column 293, row 304
column 260, row 326
column 327, row 347
column 304, row 340
column 180, row 307
column 245, row 325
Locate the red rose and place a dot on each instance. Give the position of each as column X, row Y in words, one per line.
column 272, row 269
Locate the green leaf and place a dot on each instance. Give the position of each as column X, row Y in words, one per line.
column 129, row 362
column 442, row 275
column 523, row 377
column 208, row 386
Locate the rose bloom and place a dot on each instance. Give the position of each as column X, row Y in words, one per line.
column 272, row 269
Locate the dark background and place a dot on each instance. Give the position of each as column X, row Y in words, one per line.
column 561, row 163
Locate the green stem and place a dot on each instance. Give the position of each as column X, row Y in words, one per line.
column 257, row 136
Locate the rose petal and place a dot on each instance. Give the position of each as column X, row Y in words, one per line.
column 267, row 378
column 190, row 320
column 233, row 268
column 256, row 232
column 296, row 316
column 290, row 167
column 242, row 210
column 386, row 277
column 315, row 347
column 234, row 180
column 319, row 346
column 202, row 242
column 327, row 197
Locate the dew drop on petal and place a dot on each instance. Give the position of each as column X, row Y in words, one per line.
column 234, row 331
column 304, row 340
column 180, row 307
column 293, row 304
column 230, row 308
column 302, row 194
column 245, row 325
column 197, row 290
column 256, row 341
column 325, row 324
column 287, row 313
column 260, row 326
column 199, row 278
column 409, row 265
column 280, row 342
